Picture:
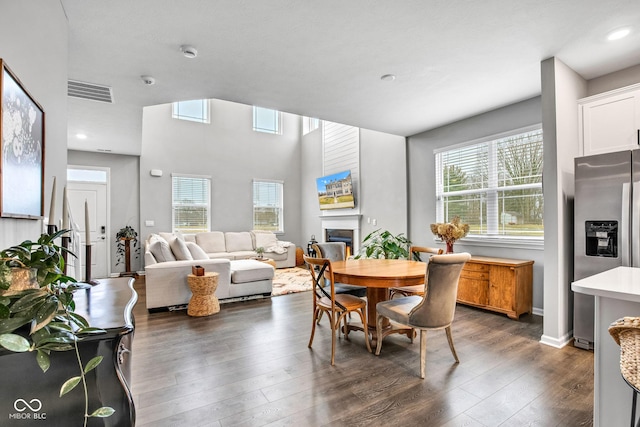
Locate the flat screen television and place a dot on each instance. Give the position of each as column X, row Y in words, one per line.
column 335, row 191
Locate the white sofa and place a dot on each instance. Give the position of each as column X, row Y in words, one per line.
column 170, row 257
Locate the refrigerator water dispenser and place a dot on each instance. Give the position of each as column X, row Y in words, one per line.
column 601, row 238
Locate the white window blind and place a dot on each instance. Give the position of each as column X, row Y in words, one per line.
column 191, row 203
column 266, row 120
column 495, row 185
column 268, row 205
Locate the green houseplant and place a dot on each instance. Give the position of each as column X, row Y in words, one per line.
column 42, row 319
column 126, row 239
column 383, row 244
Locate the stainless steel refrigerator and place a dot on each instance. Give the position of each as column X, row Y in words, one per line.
column 607, row 226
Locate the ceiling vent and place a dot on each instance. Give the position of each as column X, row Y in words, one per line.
column 89, row 91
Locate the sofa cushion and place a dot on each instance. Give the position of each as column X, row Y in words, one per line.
column 196, row 251
column 179, row 248
column 265, row 239
column 248, row 270
column 238, row 241
column 160, row 249
column 211, row 241
column 169, row 236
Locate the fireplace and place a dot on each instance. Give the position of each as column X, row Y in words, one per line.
column 340, row 235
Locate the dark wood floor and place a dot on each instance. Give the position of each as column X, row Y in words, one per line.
column 249, row 365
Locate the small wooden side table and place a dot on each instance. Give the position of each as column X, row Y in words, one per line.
column 203, row 301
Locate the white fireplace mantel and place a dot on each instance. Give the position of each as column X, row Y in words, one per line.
column 343, row 222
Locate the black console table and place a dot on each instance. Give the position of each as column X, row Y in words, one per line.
column 29, row 397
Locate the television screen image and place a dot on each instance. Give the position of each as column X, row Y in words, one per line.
column 336, row 191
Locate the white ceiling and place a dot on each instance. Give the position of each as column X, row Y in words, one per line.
column 453, row 59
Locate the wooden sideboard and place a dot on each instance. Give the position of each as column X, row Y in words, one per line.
column 30, row 397
column 497, row 284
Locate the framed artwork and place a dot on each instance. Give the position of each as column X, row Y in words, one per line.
column 22, row 150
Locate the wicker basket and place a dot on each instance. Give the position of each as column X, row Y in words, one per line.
column 626, row 333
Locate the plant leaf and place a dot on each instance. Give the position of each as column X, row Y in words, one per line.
column 14, row 342
column 103, row 412
column 69, row 385
column 43, row 360
column 79, row 320
column 45, row 315
column 27, row 301
column 11, row 324
column 92, row 363
column 4, row 312
column 90, row 331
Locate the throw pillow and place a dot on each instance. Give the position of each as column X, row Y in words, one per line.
column 179, row 249
column 266, row 239
column 160, row 250
column 196, row 251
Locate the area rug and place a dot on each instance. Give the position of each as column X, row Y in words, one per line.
column 291, row 280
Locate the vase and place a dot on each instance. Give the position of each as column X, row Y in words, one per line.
column 449, row 248
column 20, row 279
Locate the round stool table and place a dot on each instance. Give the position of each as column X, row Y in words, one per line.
column 203, row 301
column 266, row 260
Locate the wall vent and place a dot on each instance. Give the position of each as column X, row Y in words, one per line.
column 89, row 91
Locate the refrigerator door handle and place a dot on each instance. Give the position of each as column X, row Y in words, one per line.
column 625, row 233
column 635, row 225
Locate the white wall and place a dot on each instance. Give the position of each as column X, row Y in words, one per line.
column 231, row 153
column 622, row 78
column 421, row 177
column 34, row 44
column 311, row 168
column 561, row 88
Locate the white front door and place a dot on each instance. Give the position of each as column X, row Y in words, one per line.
column 94, row 194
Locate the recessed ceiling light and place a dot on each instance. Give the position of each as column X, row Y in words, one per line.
column 148, row 80
column 618, row 34
column 81, row 136
column 188, row 51
column 388, row 77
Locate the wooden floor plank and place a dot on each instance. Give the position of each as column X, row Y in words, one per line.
column 249, row 365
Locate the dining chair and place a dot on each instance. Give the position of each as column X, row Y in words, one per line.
column 434, row 310
column 414, row 253
column 336, row 306
column 337, row 251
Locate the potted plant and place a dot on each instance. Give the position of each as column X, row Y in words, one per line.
column 383, row 244
column 42, row 319
column 127, row 237
column 449, row 232
column 260, row 251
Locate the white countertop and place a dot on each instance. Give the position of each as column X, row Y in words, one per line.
column 621, row 283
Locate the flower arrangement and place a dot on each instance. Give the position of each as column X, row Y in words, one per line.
column 450, row 231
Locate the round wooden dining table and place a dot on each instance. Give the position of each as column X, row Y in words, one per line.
column 378, row 275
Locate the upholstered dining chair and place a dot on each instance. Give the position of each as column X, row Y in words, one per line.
column 336, row 306
column 337, row 251
column 434, row 310
column 414, row 253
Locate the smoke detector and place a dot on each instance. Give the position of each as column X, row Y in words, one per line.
column 148, row 80
column 188, row 51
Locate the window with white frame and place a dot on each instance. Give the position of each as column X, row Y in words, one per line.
column 494, row 185
column 191, row 203
column 267, row 120
column 268, row 205
column 309, row 124
column 196, row 110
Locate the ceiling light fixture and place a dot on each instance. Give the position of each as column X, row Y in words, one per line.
column 388, row 77
column 618, row 34
column 81, row 136
column 188, row 51
column 148, row 80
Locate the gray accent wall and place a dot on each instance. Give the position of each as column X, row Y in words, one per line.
column 34, row 45
column 421, row 180
column 231, row 153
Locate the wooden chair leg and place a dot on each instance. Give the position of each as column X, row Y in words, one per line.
column 313, row 325
column 379, row 321
column 423, row 353
column 450, row 339
column 335, row 326
column 363, row 318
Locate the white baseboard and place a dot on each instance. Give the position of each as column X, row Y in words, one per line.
column 538, row 311
column 557, row 342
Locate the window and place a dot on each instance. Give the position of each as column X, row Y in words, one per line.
column 309, row 124
column 268, row 205
column 195, row 111
column 495, row 185
column 266, row 120
column 191, row 203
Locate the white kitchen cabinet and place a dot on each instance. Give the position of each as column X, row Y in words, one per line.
column 610, row 121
